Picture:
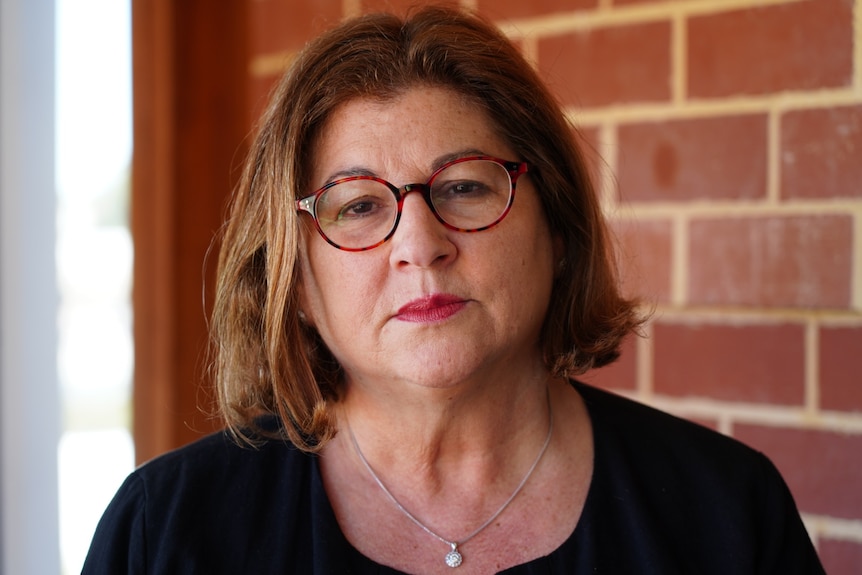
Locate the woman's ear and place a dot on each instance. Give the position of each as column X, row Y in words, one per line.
column 305, row 318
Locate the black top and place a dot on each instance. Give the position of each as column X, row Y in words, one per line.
column 667, row 496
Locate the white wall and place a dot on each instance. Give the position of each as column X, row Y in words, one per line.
column 29, row 406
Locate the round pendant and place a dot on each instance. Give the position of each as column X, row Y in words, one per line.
column 453, row 558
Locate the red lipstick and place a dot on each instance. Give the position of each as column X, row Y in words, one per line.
column 431, row 309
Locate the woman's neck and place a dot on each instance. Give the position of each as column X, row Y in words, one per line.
column 456, row 468
column 437, row 440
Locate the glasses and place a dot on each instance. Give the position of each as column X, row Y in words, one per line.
column 359, row 213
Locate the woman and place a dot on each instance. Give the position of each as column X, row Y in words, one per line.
column 398, row 364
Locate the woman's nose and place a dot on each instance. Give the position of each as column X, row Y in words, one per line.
column 420, row 239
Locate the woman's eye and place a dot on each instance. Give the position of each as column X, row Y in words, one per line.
column 464, row 188
column 358, row 208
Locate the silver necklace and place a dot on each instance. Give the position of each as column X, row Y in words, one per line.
column 454, row 558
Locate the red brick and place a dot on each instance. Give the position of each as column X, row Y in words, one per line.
column 794, row 261
column 505, row 9
column 795, row 46
column 280, row 25
column 620, row 375
column 840, row 368
column 596, row 67
column 645, row 255
column 822, row 468
column 840, row 557
column 746, row 363
column 702, row 158
column 821, row 153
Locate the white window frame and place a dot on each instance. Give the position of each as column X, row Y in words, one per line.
column 29, row 390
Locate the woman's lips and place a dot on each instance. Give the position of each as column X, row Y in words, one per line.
column 431, row 309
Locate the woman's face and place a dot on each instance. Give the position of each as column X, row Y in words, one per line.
column 431, row 306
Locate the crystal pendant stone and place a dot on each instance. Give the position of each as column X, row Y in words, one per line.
column 453, row 558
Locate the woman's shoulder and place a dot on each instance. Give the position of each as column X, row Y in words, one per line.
column 190, row 502
column 221, row 454
column 634, row 426
column 219, row 463
column 712, row 495
column 660, row 460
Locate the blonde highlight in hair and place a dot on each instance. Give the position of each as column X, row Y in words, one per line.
column 266, row 360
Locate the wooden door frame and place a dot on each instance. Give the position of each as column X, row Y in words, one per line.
column 190, row 76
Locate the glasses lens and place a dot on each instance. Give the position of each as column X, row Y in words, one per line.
column 357, row 213
column 471, row 195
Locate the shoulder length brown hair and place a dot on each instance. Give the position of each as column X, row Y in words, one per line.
column 266, row 361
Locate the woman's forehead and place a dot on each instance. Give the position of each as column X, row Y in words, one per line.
column 423, row 125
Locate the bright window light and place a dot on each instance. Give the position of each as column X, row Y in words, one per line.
column 94, row 263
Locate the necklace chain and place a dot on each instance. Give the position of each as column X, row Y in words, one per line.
column 454, row 557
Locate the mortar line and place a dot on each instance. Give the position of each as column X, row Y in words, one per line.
column 679, row 260
column 577, row 20
column 351, row 8
column 645, row 364
column 730, row 106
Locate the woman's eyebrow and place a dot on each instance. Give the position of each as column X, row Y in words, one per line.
column 439, row 161
column 349, row 173
column 446, row 158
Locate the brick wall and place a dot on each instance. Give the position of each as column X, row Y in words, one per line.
column 727, row 138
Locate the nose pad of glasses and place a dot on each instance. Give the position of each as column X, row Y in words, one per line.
column 424, row 190
column 407, row 188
